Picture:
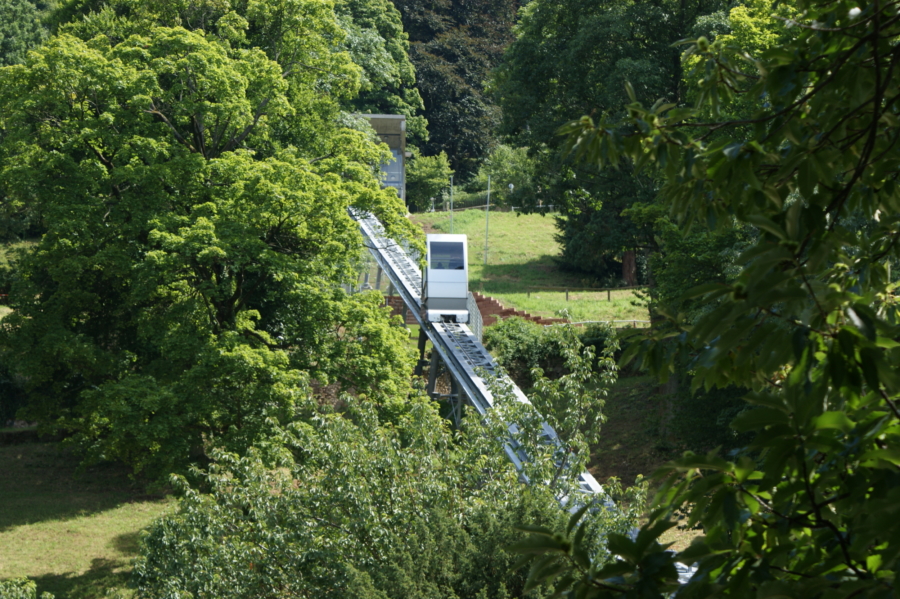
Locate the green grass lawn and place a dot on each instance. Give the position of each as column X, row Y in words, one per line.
column 74, row 533
column 522, row 252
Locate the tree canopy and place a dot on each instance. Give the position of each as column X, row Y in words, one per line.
column 364, row 508
column 809, row 324
column 574, row 57
column 194, row 195
column 454, row 46
column 20, row 30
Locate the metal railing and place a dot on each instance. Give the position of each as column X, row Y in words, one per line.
column 476, row 324
column 562, row 324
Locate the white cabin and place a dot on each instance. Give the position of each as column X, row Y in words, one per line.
column 446, row 285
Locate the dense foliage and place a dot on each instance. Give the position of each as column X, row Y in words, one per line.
column 190, row 167
column 376, row 42
column 513, row 173
column 20, row 29
column 573, row 56
column 565, row 379
column 365, row 508
column 20, row 588
column 427, row 178
column 521, row 346
column 810, row 325
column 194, row 195
column 454, row 46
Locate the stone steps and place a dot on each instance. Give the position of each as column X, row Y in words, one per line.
column 492, row 310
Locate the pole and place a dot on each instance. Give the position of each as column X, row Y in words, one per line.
column 487, row 216
column 451, row 203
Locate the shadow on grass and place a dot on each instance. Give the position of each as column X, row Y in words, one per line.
column 127, row 543
column 41, row 482
column 515, row 278
column 103, row 579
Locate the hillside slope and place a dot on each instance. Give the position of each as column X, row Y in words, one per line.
column 522, row 252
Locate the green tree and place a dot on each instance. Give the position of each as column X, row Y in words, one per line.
column 426, row 178
column 186, row 287
column 573, row 56
column 454, row 46
column 809, row 325
column 20, row 30
column 369, row 32
column 509, row 166
column 377, row 42
column 364, row 508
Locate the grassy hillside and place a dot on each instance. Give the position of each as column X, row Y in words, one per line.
column 74, row 533
column 521, row 253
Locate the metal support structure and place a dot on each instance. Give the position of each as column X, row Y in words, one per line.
column 487, row 217
column 451, row 204
column 456, row 403
column 433, row 372
column 423, row 339
column 454, row 347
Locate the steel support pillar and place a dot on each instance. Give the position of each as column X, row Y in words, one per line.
column 433, row 373
column 390, row 293
column 456, row 402
column 423, row 339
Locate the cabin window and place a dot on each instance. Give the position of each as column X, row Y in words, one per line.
column 447, row 255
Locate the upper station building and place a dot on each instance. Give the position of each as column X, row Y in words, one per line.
column 391, row 128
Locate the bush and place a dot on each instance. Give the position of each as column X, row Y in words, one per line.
column 20, row 588
column 520, row 345
column 365, row 509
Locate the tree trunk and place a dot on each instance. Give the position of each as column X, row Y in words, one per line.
column 629, row 268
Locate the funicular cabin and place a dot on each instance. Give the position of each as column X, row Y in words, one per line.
column 446, row 285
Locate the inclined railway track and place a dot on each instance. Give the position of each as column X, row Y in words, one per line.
column 459, row 350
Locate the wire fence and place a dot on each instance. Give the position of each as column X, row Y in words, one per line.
column 495, row 208
column 567, row 290
column 478, row 200
column 634, row 323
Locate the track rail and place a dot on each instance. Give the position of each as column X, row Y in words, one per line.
column 465, row 356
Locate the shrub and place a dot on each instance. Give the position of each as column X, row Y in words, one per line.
column 20, row 588
column 520, row 345
column 365, row 509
